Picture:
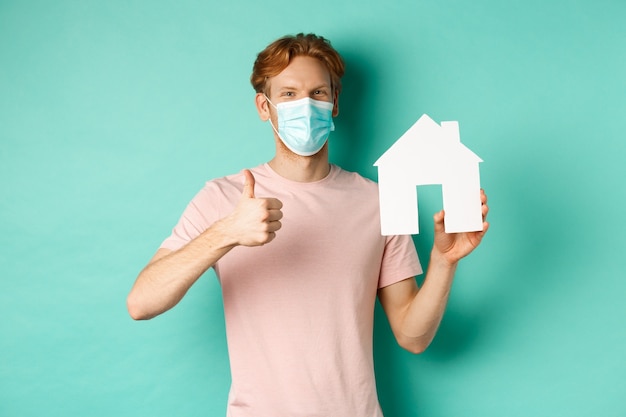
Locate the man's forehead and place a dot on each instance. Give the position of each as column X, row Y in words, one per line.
column 300, row 72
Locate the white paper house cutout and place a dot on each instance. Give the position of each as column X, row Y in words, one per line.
column 429, row 154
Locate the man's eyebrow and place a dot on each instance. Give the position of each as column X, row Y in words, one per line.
column 289, row 87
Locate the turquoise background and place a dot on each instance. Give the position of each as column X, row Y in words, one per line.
column 114, row 114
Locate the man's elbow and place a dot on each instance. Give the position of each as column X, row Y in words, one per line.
column 135, row 309
column 415, row 345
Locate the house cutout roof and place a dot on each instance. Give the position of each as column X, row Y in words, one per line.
column 426, row 140
column 429, row 153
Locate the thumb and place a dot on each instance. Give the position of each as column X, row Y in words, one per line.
column 439, row 219
column 248, row 185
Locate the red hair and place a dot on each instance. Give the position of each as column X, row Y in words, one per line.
column 277, row 56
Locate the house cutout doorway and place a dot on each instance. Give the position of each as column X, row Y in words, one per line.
column 429, row 202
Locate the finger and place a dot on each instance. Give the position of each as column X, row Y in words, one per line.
column 270, row 236
column 274, row 204
column 248, row 185
column 481, row 234
column 274, row 226
column 274, row 215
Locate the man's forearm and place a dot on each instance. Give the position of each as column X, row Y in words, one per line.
column 424, row 314
column 168, row 277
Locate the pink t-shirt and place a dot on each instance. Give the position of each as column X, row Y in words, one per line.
column 299, row 310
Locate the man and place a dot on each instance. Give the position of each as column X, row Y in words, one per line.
column 297, row 248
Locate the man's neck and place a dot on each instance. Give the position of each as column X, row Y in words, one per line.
column 301, row 168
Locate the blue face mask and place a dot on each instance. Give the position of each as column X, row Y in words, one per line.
column 304, row 125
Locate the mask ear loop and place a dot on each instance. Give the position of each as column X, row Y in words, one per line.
column 269, row 101
column 270, row 119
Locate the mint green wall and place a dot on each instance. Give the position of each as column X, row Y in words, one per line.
column 113, row 114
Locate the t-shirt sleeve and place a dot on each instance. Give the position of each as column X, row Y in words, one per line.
column 399, row 262
column 200, row 214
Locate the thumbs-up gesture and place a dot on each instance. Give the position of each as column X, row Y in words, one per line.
column 254, row 221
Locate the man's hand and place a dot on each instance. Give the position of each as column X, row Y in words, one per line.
column 454, row 246
column 254, row 221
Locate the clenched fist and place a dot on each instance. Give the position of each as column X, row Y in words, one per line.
column 254, row 221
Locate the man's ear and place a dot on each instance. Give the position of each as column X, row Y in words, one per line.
column 262, row 106
column 335, row 103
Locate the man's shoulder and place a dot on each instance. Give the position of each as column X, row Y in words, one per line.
column 231, row 186
column 355, row 178
column 233, row 179
column 218, row 187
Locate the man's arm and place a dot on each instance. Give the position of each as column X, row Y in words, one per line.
column 414, row 314
column 169, row 274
